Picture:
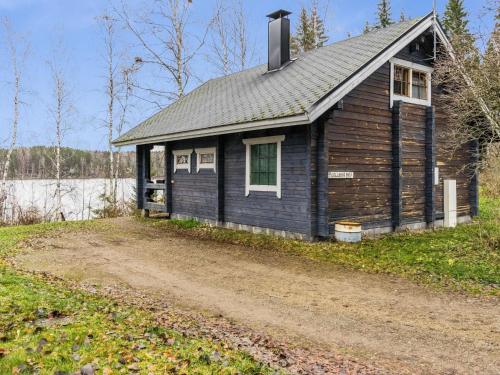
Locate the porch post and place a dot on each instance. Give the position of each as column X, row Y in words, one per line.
column 322, row 179
column 143, row 158
column 397, row 165
column 220, row 161
column 168, row 177
column 430, row 164
column 139, row 162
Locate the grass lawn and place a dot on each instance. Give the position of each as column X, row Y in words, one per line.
column 46, row 328
column 465, row 258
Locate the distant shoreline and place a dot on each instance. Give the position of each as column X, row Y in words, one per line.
column 65, row 179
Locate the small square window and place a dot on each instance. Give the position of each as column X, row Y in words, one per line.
column 182, row 160
column 205, row 158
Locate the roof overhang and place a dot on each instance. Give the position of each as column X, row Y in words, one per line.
column 281, row 122
column 323, row 105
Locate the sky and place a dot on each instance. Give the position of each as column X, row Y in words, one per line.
column 46, row 24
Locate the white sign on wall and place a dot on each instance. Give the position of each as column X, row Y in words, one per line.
column 340, row 174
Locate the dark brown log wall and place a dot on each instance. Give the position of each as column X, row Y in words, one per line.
column 359, row 137
column 360, row 141
column 413, row 182
column 452, row 164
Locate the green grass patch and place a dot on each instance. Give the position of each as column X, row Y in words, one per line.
column 464, row 258
column 46, row 328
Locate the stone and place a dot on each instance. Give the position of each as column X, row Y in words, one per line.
column 88, row 369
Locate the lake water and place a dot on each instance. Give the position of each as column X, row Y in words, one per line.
column 80, row 196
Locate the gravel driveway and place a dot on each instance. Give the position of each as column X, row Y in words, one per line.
column 377, row 320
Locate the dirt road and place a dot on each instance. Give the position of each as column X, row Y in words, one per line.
column 378, row 320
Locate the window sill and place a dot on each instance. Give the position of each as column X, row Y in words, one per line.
column 206, row 167
column 407, row 99
column 265, row 188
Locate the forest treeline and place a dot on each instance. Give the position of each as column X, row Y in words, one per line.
column 38, row 162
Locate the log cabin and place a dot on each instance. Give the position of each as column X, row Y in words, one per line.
column 349, row 131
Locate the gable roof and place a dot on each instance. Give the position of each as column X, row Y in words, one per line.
column 297, row 94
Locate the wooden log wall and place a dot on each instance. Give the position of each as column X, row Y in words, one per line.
column 292, row 212
column 195, row 194
column 360, row 140
column 413, row 125
column 452, row 164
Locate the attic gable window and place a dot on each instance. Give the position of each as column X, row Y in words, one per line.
column 263, row 164
column 410, row 82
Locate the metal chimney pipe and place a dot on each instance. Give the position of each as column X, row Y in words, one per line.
column 279, row 39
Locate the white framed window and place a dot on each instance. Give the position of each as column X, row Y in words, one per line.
column 263, row 164
column 205, row 158
column 182, row 159
column 410, row 82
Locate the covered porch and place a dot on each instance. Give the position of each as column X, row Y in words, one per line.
column 154, row 179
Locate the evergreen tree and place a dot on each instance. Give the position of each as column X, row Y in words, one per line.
column 455, row 19
column 310, row 33
column 455, row 24
column 384, row 14
column 303, row 39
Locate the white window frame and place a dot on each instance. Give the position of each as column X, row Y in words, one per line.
column 187, row 166
column 258, row 141
column 206, row 150
column 411, row 66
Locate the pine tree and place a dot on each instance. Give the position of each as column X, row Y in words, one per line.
column 303, row 39
column 455, row 24
column 310, row 33
column 455, row 18
column 384, row 14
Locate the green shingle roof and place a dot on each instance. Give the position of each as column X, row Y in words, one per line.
column 253, row 94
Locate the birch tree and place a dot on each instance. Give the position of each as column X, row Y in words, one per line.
column 124, row 101
column 108, row 25
column 241, row 37
column 59, row 110
column 168, row 45
column 229, row 38
column 18, row 50
column 470, row 85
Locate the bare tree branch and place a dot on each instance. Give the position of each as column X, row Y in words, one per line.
column 167, row 43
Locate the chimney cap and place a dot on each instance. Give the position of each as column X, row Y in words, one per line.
column 279, row 14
